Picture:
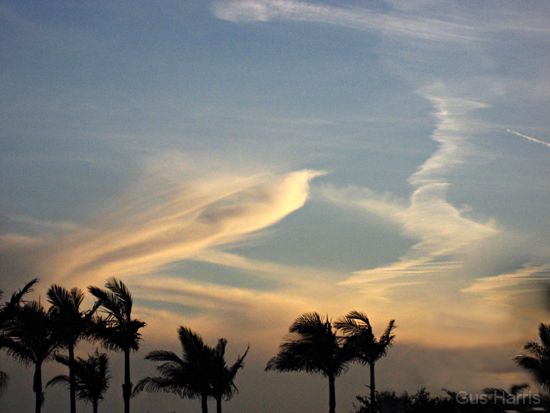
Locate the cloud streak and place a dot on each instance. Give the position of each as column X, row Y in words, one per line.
column 162, row 222
column 529, row 138
column 355, row 18
column 441, row 230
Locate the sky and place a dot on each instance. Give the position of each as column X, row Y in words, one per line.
column 238, row 163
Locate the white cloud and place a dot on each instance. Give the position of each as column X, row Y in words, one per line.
column 442, row 231
column 529, row 138
column 355, row 18
column 44, row 224
column 501, row 289
column 452, row 133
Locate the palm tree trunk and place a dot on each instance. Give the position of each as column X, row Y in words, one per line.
column 372, row 389
column 219, row 404
column 37, row 387
column 72, row 380
column 331, row 394
column 94, row 406
column 127, row 386
column 204, row 403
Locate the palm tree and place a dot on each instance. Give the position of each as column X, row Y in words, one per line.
column 4, row 378
column 313, row 346
column 188, row 376
column 223, row 376
column 369, row 350
column 503, row 396
column 6, row 313
column 31, row 339
column 92, row 377
column 201, row 373
column 117, row 331
column 71, row 325
column 538, row 362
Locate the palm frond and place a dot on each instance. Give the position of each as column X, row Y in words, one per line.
column 227, row 388
column 527, row 362
column 17, row 297
column 219, row 350
column 160, row 384
column 163, row 356
column 59, row 379
column 538, row 359
column 313, row 347
column 518, row 388
column 4, row 379
column 544, row 335
column 108, row 301
column 116, row 330
column 18, row 351
column 353, row 322
column 119, row 289
column 63, row 359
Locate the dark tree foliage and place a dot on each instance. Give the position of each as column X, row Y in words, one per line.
column 369, row 349
column 452, row 402
column 537, row 359
column 30, row 338
column 201, row 372
column 92, row 376
column 312, row 346
column 71, row 324
column 116, row 329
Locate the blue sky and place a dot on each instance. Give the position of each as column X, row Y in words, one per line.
column 238, row 163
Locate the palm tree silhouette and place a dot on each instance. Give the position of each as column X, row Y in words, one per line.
column 501, row 395
column 538, row 362
column 223, row 376
column 31, row 339
column 92, row 377
column 71, row 325
column 312, row 345
column 6, row 313
column 369, row 350
column 200, row 373
column 4, row 378
column 117, row 330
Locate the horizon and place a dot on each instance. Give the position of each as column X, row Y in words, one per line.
column 237, row 163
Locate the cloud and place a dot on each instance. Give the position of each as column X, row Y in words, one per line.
column 510, row 289
column 43, row 224
column 159, row 222
column 452, row 133
column 398, row 24
column 442, row 231
column 529, row 138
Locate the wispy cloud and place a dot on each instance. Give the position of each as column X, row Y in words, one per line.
column 519, row 295
column 529, row 138
column 355, row 18
column 495, row 287
column 162, row 222
column 443, row 236
column 441, row 230
column 43, row 224
column 452, row 133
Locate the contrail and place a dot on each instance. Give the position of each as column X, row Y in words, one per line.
column 528, row 137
